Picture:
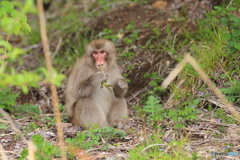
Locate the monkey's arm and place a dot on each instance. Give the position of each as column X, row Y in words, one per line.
column 75, row 80
column 86, row 87
column 120, row 88
column 81, row 88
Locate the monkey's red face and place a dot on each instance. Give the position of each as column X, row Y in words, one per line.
column 100, row 59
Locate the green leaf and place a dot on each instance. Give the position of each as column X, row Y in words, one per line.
column 237, row 46
column 224, row 21
column 6, row 45
column 2, row 11
column 196, row 101
column 236, row 32
column 146, row 75
column 226, row 36
column 154, row 74
column 7, row 24
column 235, row 19
column 231, row 9
column 24, row 89
column 231, row 49
column 156, row 31
column 26, row 27
column 217, row 7
column 15, row 53
column 19, row 15
column 16, row 27
column 8, row 6
column 29, row 7
column 153, row 83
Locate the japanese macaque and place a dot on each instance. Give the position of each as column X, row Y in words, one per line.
column 95, row 88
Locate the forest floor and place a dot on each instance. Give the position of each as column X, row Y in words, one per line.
column 173, row 19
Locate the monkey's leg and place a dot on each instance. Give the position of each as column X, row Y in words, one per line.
column 87, row 112
column 118, row 113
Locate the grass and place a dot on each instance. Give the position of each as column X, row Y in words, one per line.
column 157, row 150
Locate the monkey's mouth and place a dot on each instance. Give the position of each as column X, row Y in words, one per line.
column 101, row 67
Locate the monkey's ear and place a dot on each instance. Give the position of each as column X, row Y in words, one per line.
column 89, row 49
column 110, row 47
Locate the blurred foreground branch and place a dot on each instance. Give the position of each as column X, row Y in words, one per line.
column 47, row 54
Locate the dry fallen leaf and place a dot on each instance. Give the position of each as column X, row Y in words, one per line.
column 132, row 4
column 159, row 4
column 77, row 152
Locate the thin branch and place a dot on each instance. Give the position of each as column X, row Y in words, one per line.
column 210, row 84
column 189, row 59
column 174, row 73
column 57, row 48
column 2, row 153
column 31, row 150
column 4, row 53
column 47, row 54
column 152, row 145
column 230, row 4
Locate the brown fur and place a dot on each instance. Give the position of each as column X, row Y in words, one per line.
column 86, row 102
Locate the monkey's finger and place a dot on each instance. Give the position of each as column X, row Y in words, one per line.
column 121, row 84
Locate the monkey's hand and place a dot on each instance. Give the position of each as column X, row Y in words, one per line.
column 121, row 84
column 98, row 78
column 120, row 88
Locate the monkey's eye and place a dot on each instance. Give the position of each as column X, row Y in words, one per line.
column 94, row 52
column 102, row 51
